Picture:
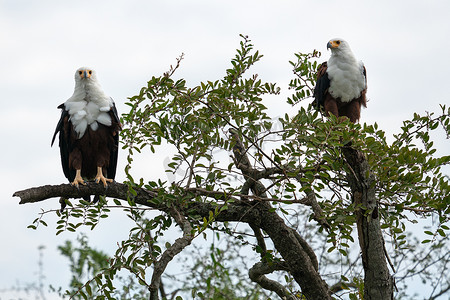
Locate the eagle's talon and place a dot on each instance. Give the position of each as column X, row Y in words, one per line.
column 102, row 178
column 78, row 179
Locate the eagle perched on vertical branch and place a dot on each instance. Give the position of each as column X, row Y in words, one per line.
column 88, row 132
column 341, row 82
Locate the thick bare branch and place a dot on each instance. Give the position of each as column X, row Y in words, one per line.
column 257, row 272
column 114, row 190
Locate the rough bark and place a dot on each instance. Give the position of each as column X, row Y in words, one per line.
column 114, row 190
column 257, row 272
column 378, row 283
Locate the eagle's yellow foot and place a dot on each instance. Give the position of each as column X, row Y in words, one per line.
column 102, row 178
column 78, row 179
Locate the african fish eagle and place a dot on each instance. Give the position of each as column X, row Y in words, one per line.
column 341, row 82
column 88, row 132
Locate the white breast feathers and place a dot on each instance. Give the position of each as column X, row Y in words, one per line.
column 347, row 79
column 88, row 107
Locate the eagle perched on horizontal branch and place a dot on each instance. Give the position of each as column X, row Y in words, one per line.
column 341, row 82
column 88, row 132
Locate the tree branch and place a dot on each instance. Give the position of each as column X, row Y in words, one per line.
column 114, row 190
column 257, row 272
column 442, row 292
column 311, row 200
column 307, row 248
column 340, row 286
column 260, row 241
column 169, row 254
column 217, row 195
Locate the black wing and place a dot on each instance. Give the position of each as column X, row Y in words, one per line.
column 65, row 146
column 322, row 85
column 115, row 151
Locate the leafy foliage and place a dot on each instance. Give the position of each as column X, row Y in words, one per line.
column 84, row 263
column 218, row 275
column 195, row 120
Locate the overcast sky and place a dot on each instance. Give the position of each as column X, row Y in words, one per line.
column 404, row 45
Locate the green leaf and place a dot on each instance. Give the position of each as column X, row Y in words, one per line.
column 88, row 289
column 83, row 295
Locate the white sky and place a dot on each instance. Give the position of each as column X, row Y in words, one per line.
column 404, row 45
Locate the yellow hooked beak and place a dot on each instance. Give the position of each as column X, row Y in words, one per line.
column 333, row 44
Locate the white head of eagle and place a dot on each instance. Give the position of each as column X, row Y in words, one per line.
column 341, row 82
column 89, row 105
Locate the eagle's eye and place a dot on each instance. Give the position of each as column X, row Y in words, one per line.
column 90, row 72
column 338, row 42
column 80, row 72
